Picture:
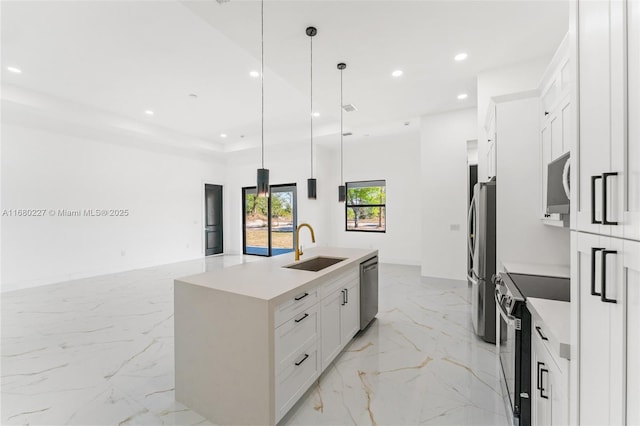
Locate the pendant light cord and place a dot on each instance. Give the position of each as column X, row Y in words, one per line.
column 262, row 74
column 311, row 103
column 341, row 135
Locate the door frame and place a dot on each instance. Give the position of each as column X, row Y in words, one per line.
column 203, row 217
column 294, row 187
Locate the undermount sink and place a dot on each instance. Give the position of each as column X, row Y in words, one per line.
column 315, row 264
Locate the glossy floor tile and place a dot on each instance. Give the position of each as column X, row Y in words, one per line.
column 99, row 351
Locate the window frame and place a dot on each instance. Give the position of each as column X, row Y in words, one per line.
column 347, row 205
column 253, row 190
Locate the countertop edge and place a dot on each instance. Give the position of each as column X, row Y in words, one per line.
column 353, row 256
column 563, row 349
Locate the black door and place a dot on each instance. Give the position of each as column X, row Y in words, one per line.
column 213, row 219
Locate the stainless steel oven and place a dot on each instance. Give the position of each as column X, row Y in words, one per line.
column 514, row 349
column 514, row 337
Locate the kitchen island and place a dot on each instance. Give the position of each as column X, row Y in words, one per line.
column 250, row 339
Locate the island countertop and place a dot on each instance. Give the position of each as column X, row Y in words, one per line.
column 270, row 280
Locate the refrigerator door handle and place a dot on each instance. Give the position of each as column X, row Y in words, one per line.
column 470, row 232
column 474, row 281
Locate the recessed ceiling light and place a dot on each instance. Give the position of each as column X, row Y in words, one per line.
column 316, row 114
column 397, row 73
column 148, row 112
column 193, row 95
column 462, row 96
column 223, row 135
column 14, row 70
column 460, row 57
column 254, row 74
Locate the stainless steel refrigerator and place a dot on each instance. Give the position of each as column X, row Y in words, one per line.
column 481, row 242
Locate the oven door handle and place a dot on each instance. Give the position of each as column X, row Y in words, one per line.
column 509, row 319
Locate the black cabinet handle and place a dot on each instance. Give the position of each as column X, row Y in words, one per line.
column 593, row 198
column 542, row 389
column 346, row 292
column 301, row 318
column 344, row 297
column 603, row 296
column 542, row 336
column 302, row 360
column 604, row 199
column 539, row 386
column 546, row 113
column 301, row 296
column 594, row 250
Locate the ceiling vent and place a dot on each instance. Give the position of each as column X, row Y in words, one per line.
column 349, row 108
column 347, row 134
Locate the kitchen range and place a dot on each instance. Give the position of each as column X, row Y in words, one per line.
column 515, row 334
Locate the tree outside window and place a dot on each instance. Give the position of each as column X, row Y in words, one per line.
column 366, row 206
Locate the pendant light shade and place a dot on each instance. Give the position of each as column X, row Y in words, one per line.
column 311, row 182
column 342, row 189
column 263, row 183
column 262, row 186
column 311, row 188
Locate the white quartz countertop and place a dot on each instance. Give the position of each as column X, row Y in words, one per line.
column 563, row 271
column 555, row 315
column 268, row 280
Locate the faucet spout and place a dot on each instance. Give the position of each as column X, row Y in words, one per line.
column 313, row 238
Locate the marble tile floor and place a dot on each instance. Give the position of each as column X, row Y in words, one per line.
column 99, row 351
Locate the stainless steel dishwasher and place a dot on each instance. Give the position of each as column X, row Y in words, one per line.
column 368, row 291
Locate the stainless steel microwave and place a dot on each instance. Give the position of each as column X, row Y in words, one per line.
column 558, row 185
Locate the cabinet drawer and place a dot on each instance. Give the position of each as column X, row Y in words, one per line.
column 292, row 307
column 294, row 380
column 342, row 281
column 295, row 334
column 547, row 340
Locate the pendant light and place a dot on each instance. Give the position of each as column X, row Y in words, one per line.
column 262, row 187
column 342, row 189
column 311, row 182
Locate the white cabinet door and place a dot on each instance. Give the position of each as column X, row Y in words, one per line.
column 602, row 117
column 350, row 315
column 631, row 276
column 541, row 394
column 601, row 374
column 632, row 164
column 546, row 158
column 331, row 329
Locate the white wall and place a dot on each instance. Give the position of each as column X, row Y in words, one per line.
column 521, row 236
column 286, row 164
column 443, row 189
column 502, row 81
column 46, row 170
column 396, row 159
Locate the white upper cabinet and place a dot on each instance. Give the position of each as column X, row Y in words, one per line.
column 556, row 121
column 608, row 200
column 631, row 196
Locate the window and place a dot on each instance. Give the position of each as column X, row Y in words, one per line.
column 366, row 206
column 269, row 222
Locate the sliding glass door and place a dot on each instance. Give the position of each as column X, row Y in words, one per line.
column 269, row 223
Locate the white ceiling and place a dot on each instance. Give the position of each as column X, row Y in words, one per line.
column 125, row 57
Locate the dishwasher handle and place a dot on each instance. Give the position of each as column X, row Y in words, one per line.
column 370, row 267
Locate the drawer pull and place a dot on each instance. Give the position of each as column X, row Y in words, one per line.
column 301, row 318
column 303, row 359
column 603, row 296
column 542, row 336
column 605, row 221
column 300, row 297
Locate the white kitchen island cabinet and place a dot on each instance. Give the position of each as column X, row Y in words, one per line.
column 252, row 338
